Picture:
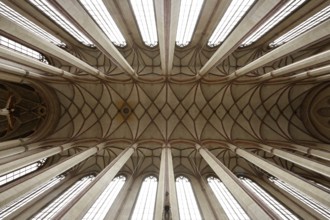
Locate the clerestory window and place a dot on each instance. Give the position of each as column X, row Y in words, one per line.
column 21, row 172
column 23, row 200
column 97, row 10
column 29, row 25
column 144, row 13
column 268, row 199
column 323, row 210
column 189, row 13
column 311, row 22
column 10, row 44
column 188, row 208
column 145, row 204
column 231, row 207
column 55, row 15
column 105, row 200
column 282, row 13
column 60, row 202
column 235, row 12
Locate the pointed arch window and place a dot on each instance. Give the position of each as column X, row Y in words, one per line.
column 268, row 199
column 10, row 44
column 144, row 13
column 282, row 13
column 235, row 12
column 59, row 203
column 13, row 206
column 323, row 210
column 189, row 13
column 29, row 25
column 311, row 22
column 55, row 15
column 105, row 200
column 21, row 172
column 97, row 10
column 188, row 208
column 145, row 204
column 231, row 207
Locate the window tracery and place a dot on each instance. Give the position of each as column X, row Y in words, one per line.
column 268, row 199
column 21, row 172
column 145, row 203
column 301, row 196
column 231, row 207
column 188, row 208
column 29, row 25
column 105, row 200
column 60, row 202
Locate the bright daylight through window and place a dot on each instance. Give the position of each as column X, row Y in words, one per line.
column 13, row 206
column 19, row 19
column 282, row 13
column 325, row 211
column 231, row 207
column 189, row 13
column 188, row 208
column 56, row 16
column 145, row 16
column 105, row 200
column 268, row 199
column 236, row 10
column 21, row 172
column 60, row 202
column 311, row 22
column 101, row 16
column 5, row 42
column 145, row 204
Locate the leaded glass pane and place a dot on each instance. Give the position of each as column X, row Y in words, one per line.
column 145, row 16
column 323, row 210
column 29, row 25
column 102, row 17
column 105, row 200
column 231, row 207
column 268, row 199
column 55, row 15
column 236, row 10
column 282, row 13
column 10, row 44
column 188, row 208
column 21, row 172
column 59, row 203
column 189, row 13
column 145, row 204
column 13, row 206
column 313, row 21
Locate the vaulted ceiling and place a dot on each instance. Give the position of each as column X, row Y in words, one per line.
column 167, row 93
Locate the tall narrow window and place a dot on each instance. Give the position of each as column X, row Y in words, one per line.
column 21, row 172
column 189, row 13
column 29, row 25
column 145, row 16
column 54, row 207
column 188, row 208
column 268, row 199
column 231, row 207
column 282, row 13
column 101, row 16
column 323, row 210
column 56, row 16
column 13, row 206
column 236, row 10
column 5, row 42
column 145, row 204
column 313, row 21
column 104, row 202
